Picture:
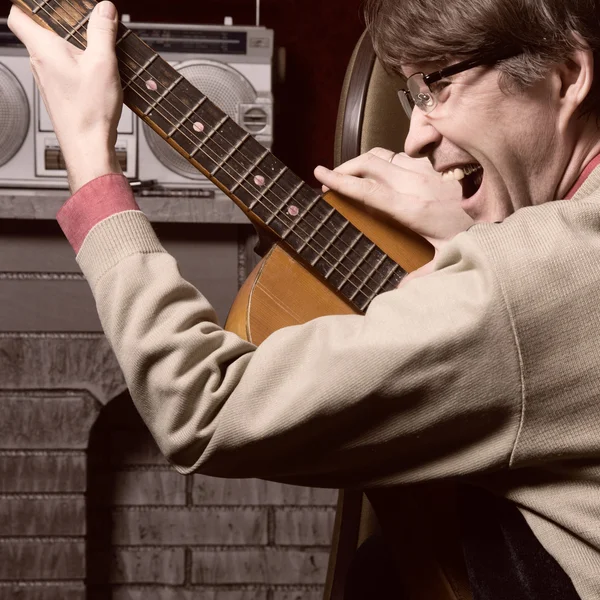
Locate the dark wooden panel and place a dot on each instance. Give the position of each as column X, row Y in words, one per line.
column 41, row 288
column 47, row 305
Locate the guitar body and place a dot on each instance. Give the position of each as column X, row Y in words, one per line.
column 281, row 291
column 278, row 293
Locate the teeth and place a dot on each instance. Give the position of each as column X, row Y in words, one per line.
column 458, row 174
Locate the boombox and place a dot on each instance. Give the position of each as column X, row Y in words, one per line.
column 231, row 65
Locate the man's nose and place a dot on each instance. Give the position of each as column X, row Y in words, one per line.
column 422, row 135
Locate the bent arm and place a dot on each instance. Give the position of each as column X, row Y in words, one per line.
column 408, row 392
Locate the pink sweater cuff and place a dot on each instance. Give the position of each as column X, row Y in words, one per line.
column 97, row 200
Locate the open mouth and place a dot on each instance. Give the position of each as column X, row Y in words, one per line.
column 472, row 180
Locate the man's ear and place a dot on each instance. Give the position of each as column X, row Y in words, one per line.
column 574, row 80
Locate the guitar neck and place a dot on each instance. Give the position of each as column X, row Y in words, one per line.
column 270, row 194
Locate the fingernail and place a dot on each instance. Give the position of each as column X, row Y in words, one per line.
column 107, row 10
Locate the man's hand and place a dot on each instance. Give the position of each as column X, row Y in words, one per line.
column 407, row 190
column 81, row 90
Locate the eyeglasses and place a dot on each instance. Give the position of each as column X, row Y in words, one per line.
column 419, row 91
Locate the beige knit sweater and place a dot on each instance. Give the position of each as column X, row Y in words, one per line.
column 487, row 369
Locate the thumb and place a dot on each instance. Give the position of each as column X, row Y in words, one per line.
column 102, row 28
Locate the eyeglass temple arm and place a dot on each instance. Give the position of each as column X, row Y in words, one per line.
column 467, row 64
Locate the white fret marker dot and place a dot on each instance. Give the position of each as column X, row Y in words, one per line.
column 259, row 180
column 294, row 211
column 198, row 127
column 151, row 85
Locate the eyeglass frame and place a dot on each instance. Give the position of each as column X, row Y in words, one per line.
column 470, row 63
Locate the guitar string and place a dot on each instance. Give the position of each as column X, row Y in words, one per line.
column 357, row 277
column 351, row 277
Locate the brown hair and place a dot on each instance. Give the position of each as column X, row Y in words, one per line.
column 421, row 31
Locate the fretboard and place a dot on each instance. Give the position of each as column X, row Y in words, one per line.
column 272, row 195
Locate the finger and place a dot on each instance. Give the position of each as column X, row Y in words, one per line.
column 373, row 196
column 355, row 188
column 376, row 166
column 364, row 191
column 401, row 159
column 422, row 165
column 102, row 29
column 362, row 166
column 34, row 36
column 383, row 153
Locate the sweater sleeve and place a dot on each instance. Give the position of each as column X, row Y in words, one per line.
column 426, row 385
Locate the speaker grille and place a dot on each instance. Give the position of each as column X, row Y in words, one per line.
column 224, row 86
column 14, row 116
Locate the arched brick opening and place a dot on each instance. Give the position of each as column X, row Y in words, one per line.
column 154, row 534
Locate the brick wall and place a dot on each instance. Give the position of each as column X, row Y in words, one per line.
column 43, row 464
column 90, row 509
column 155, row 534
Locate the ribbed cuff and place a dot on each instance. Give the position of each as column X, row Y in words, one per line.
column 114, row 239
column 97, row 200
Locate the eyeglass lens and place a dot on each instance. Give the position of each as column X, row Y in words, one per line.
column 418, row 94
column 421, row 93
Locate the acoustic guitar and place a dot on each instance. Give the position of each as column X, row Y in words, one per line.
column 325, row 257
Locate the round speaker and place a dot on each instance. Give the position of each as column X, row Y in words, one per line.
column 224, row 86
column 14, row 116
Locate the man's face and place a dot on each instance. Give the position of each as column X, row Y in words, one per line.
column 512, row 136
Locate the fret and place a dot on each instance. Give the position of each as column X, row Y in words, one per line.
column 311, row 228
column 345, row 253
column 156, row 102
column 143, row 68
column 369, row 275
column 248, row 171
column 280, row 207
column 312, row 205
column 125, row 35
column 75, row 30
column 358, row 263
column 274, row 181
column 290, row 229
column 40, row 6
column 222, row 162
column 328, row 245
column 386, row 280
column 363, row 307
column 314, row 231
column 208, row 136
column 187, row 116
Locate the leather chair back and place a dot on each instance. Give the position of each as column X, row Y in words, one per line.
column 370, row 113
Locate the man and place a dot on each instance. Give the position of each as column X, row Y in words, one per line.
column 484, row 370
